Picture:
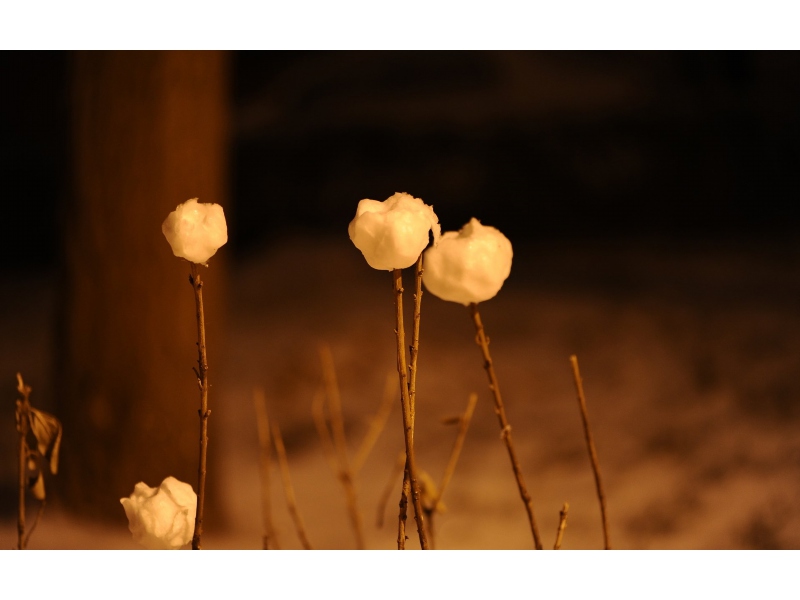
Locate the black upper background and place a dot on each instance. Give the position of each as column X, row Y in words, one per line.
column 543, row 145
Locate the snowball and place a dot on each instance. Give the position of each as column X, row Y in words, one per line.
column 393, row 233
column 161, row 518
column 195, row 230
column 468, row 266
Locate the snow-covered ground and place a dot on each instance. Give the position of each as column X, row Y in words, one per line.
column 689, row 355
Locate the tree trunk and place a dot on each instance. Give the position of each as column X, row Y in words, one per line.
column 149, row 132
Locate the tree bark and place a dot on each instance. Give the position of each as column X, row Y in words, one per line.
column 149, row 132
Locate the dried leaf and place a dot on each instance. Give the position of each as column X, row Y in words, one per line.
column 38, row 487
column 23, row 389
column 47, row 430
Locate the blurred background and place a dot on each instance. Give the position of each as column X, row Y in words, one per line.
column 651, row 198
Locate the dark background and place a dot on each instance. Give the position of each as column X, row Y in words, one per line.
column 543, row 145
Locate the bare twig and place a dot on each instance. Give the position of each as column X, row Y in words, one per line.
column 414, row 348
column 288, row 489
column 387, row 491
column 402, row 517
column 270, row 539
column 412, row 396
column 35, row 523
column 318, row 413
column 587, row 431
column 377, row 423
column 505, row 428
column 204, row 412
column 408, row 416
column 464, row 422
column 562, row 525
column 340, row 441
column 434, row 496
column 23, row 423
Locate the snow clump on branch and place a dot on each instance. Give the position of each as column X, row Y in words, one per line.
column 468, row 266
column 393, row 233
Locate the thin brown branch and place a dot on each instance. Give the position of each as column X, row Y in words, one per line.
column 402, row 516
column 377, row 424
column 320, row 421
column 587, row 432
column 35, row 523
column 387, row 491
column 433, row 497
column 340, row 441
column 562, row 525
column 412, row 397
column 414, row 348
column 270, row 539
column 204, row 412
column 505, row 428
column 23, row 423
column 288, row 488
column 408, row 417
column 464, row 422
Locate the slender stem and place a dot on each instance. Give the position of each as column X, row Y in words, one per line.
column 414, row 348
column 204, row 412
column 408, row 417
column 432, row 506
column 387, row 491
column 35, row 522
column 340, row 442
column 587, row 432
column 562, row 525
column 288, row 488
column 23, row 423
column 270, row 539
column 318, row 413
column 429, row 514
column 505, row 428
column 402, row 517
column 376, row 425
column 412, row 396
column 464, row 422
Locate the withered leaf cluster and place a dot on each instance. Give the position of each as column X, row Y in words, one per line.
column 46, row 430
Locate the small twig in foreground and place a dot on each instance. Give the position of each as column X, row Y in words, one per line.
column 288, row 489
column 505, row 428
column 587, row 431
column 377, row 423
column 318, row 413
column 35, row 523
column 464, row 422
column 387, row 491
column 270, row 539
column 402, row 516
column 435, row 503
column 340, row 441
column 562, row 525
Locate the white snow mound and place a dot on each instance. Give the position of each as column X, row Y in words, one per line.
column 393, row 233
column 196, row 230
column 469, row 265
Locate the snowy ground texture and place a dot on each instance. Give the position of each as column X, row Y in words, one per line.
column 689, row 355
